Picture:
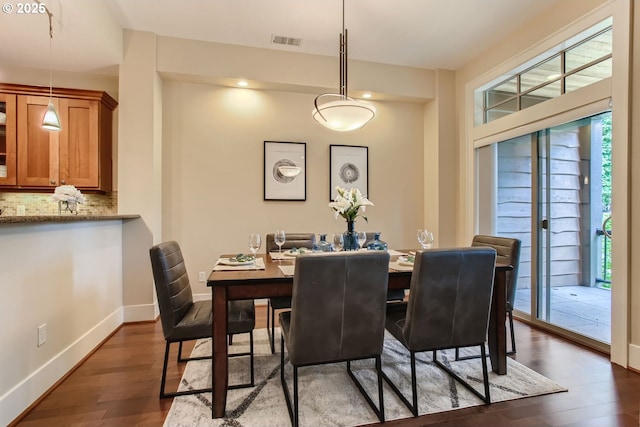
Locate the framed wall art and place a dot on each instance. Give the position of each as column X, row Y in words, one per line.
column 285, row 171
column 348, row 168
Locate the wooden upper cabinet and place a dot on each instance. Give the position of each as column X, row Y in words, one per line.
column 79, row 143
column 8, row 147
column 37, row 147
column 79, row 154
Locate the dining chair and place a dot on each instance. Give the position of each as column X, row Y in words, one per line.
column 448, row 307
column 293, row 240
column 393, row 295
column 337, row 314
column 185, row 320
column 508, row 250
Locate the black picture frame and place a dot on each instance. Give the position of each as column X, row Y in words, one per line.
column 278, row 186
column 348, row 168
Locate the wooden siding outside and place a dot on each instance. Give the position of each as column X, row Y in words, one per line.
column 514, row 208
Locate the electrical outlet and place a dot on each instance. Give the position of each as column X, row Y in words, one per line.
column 202, row 277
column 42, row 334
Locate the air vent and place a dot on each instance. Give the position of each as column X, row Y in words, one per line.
column 288, row 41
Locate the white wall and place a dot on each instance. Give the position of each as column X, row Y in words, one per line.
column 67, row 275
column 213, row 140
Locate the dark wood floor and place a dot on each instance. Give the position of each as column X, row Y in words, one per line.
column 118, row 386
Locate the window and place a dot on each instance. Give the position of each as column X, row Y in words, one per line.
column 579, row 65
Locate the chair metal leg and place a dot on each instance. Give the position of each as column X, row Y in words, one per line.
column 296, row 421
column 251, row 383
column 271, row 314
column 180, row 351
column 379, row 411
column 486, row 398
column 164, row 394
column 513, row 334
column 285, row 388
column 397, row 391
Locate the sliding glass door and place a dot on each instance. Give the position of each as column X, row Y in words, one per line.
column 551, row 190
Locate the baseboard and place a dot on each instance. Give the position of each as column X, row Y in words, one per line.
column 139, row 313
column 19, row 398
column 202, row 297
column 634, row 357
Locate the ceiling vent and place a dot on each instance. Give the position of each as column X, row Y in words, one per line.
column 287, row 41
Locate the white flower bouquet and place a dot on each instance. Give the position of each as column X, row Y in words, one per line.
column 68, row 193
column 348, row 204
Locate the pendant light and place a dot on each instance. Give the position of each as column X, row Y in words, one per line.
column 50, row 121
column 345, row 113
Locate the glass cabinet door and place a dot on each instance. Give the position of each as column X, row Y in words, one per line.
column 7, row 139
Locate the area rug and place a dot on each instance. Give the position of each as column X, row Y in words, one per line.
column 328, row 397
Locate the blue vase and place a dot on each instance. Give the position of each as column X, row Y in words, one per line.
column 323, row 245
column 377, row 244
column 350, row 238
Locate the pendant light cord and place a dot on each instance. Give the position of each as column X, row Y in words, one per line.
column 50, row 55
column 50, row 16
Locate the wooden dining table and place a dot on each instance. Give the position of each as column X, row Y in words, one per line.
column 272, row 282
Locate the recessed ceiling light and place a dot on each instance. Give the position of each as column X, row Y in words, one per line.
column 366, row 95
column 243, row 83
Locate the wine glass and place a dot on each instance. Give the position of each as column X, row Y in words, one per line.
column 362, row 238
column 425, row 238
column 338, row 241
column 254, row 243
column 279, row 238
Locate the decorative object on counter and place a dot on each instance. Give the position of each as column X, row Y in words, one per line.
column 377, row 244
column 347, row 204
column 323, row 245
column 68, row 197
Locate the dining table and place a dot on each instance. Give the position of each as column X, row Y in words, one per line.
column 271, row 281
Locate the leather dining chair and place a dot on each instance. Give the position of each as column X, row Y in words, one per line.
column 185, row 320
column 393, row 295
column 508, row 250
column 337, row 314
column 293, row 240
column 448, row 307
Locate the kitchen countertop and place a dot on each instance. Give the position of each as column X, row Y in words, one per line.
column 31, row 219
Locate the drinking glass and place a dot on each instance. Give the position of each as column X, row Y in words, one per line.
column 338, row 241
column 425, row 238
column 254, row 243
column 362, row 238
column 279, row 238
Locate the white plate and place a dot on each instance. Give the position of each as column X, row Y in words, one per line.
column 294, row 254
column 230, row 261
column 404, row 262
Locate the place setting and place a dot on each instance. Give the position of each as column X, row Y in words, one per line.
column 243, row 261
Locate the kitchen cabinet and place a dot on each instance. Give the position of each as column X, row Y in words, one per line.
column 7, row 139
column 79, row 154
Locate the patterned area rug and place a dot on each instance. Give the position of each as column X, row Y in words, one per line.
column 327, row 395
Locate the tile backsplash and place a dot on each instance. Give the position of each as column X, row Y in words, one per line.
column 42, row 204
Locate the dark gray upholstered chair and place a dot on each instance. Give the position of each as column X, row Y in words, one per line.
column 293, row 240
column 185, row 320
column 393, row 294
column 448, row 307
column 508, row 250
column 337, row 314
